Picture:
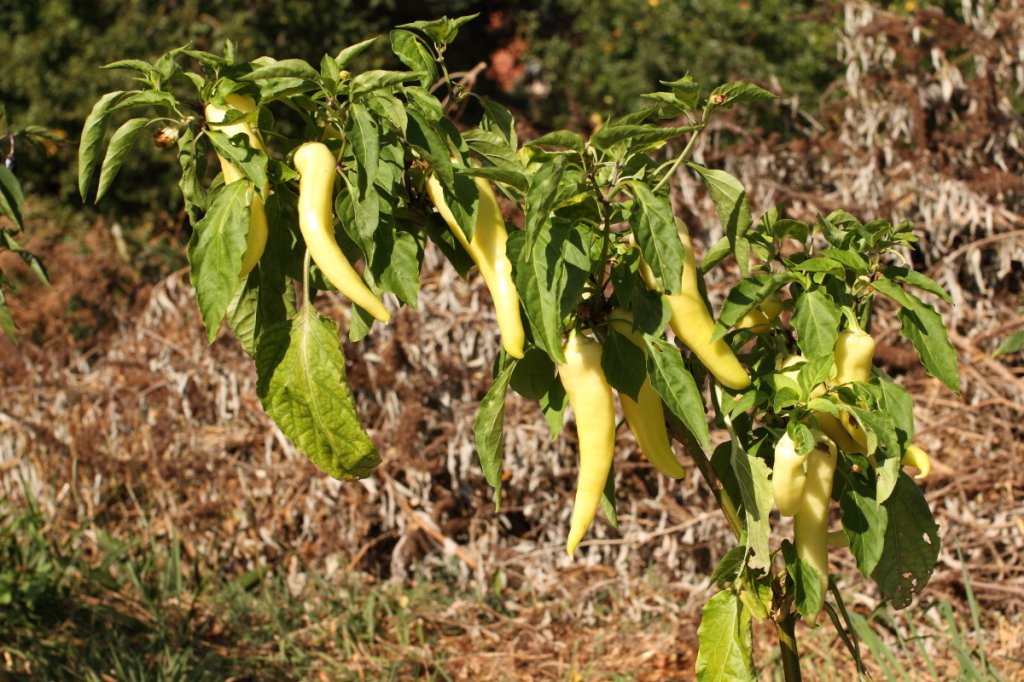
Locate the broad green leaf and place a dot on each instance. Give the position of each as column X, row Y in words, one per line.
column 552, row 405
column 411, row 52
column 302, row 386
column 11, row 197
column 738, row 92
column 121, row 142
column 748, row 293
column 508, row 176
column 236, row 149
column 911, row 545
column 365, row 140
column 422, row 135
column 852, row 260
column 215, row 254
column 378, row 79
column 686, row 91
column 899, row 406
column 541, row 278
column 894, row 291
column 676, row 387
column 352, row 51
column 143, row 67
column 401, row 274
column 286, row 68
column 499, row 120
column 566, row 139
column 816, row 320
column 540, row 197
column 92, row 139
column 624, row 364
column 725, row 637
column 809, row 595
column 729, row 567
column 756, row 491
column 533, row 374
column 488, row 429
column 654, row 226
column 145, row 98
column 35, row 264
column 924, row 328
column 916, row 279
column 865, row 521
column 644, row 134
column 731, row 203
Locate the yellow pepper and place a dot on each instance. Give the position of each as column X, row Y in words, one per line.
column 693, row 324
column 810, row 524
column 788, row 476
column 590, row 397
column 487, row 249
column 317, row 167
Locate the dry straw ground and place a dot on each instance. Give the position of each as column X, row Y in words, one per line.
column 112, row 411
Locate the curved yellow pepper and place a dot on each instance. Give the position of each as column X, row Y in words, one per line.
column 317, row 167
column 257, row 238
column 590, row 396
column 487, row 249
column 693, row 324
column 917, row 458
column 646, row 415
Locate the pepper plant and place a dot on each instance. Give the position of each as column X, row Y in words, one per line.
column 599, row 243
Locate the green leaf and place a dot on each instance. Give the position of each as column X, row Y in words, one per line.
column 215, row 254
column 916, row 279
column 302, row 386
column 899, row 406
column 686, row 91
column 676, row 387
column 731, row 203
column 924, row 328
column 411, row 52
column 654, row 226
column 644, row 134
column 540, row 197
column 533, row 374
column 566, row 139
column 624, row 364
column 192, row 167
column 11, row 197
column 236, row 149
column 1011, row 344
column 748, row 293
column 816, row 320
column 911, row 545
column 8, row 241
column 422, row 135
column 737, row 93
column 895, row 292
column 92, row 139
column 121, row 142
column 725, row 637
column 865, row 521
column 362, row 133
column 286, row 68
column 489, row 425
column 729, row 567
column 552, row 405
column 145, row 98
column 378, row 79
column 499, row 120
column 352, row 51
column 401, row 273
column 756, row 491
column 540, row 277
column 143, row 67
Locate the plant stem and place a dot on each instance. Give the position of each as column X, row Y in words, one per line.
column 722, row 497
column 686, row 151
column 786, row 629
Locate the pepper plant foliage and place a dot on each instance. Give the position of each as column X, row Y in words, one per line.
column 596, row 212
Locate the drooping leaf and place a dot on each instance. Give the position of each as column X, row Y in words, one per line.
column 731, row 203
column 302, row 386
column 215, row 254
column 11, row 197
column 865, row 521
column 121, row 142
column 726, row 638
column 676, row 387
column 488, row 429
column 924, row 328
column 654, row 226
column 911, row 545
column 92, row 139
